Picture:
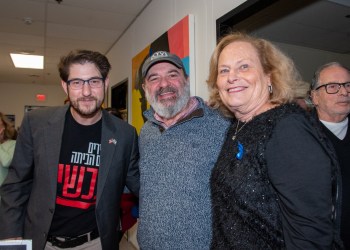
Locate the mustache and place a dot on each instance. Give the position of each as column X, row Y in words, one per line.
column 91, row 98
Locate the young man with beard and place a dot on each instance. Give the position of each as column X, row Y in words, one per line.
column 179, row 145
column 330, row 93
column 70, row 166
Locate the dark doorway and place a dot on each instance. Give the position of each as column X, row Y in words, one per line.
column 119, row 94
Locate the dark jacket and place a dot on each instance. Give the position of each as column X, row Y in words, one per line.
column 281, row 193
column 29, row 192
column 342, row 148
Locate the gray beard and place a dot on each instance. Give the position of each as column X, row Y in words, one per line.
column 168, row 112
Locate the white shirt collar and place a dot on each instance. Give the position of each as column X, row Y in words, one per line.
column 339, row 129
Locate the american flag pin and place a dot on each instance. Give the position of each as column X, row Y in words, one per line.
column 112, row 140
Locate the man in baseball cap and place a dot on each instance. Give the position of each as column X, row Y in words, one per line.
column 179, row 144
column 162, row 56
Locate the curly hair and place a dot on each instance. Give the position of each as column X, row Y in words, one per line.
column 10, row 132
column 82, row 57
column 285, row 78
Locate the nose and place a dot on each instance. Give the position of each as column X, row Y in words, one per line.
column 86, row 89
column 342, row 90
column 163, row 81
column 232, row 76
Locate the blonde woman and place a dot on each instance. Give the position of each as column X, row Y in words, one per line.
column 276, row 180
column 7, row 145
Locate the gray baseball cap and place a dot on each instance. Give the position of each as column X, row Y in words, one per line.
column 161, row 56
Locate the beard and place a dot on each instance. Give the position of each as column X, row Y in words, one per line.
column 86, row 111
column 169, row 108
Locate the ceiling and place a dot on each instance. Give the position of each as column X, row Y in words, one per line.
column 51, row 28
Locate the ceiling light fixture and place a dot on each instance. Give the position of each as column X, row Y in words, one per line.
column 27, row 61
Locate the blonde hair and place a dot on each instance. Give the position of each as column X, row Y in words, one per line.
column 10, row 133
column 285, row 78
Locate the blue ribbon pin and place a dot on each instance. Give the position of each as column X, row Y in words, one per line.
column 240, row 149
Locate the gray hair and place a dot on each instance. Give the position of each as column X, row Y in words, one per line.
column 317, row 73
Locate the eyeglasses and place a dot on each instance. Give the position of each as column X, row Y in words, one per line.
column 94, row 82
column 333, row 88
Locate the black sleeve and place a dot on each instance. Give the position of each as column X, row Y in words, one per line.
column 300, row 172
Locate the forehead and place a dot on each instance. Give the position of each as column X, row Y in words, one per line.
column 86, row 68
column 240, row 50
column 334, row 74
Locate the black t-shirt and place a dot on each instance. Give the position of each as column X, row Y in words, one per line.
column 77, row 179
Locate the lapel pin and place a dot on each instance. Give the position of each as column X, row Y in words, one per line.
column 112, row 140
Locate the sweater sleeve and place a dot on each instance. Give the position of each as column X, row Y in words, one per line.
column 15, row 191
column 6, row 153
column 300, row 172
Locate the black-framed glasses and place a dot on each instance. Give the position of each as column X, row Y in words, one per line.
column 333, row 88
column 94, row 82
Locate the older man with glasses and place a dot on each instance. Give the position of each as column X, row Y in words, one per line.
column 330, row 93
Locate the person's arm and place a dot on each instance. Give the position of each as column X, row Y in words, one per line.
column 133, row 175
column 300, row 172
column 6, row 153
column 15, row 191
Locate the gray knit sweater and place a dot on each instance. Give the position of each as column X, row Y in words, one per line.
column 175, row 167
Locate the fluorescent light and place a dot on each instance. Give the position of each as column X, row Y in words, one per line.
column 27, row 61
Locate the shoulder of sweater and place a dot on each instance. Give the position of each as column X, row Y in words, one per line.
column 211, row 111
column 8, row 144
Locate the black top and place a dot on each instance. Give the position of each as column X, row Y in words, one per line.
column 281, row 192
column 77, row 179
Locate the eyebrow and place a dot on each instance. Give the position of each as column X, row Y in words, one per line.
column 238, row 62
column 174, row 70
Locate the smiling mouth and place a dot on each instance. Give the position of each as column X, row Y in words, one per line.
column 167, row 93
column 235, row 89
column 166, row 96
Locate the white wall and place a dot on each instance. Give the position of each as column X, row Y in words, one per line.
column 13, row 98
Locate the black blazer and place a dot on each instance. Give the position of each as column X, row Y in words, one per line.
column 29, row 192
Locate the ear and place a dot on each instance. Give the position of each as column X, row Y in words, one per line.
column 268, row 79
column 64, row 86
column 106, row 83
column 143, row 86
column 314, row 97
